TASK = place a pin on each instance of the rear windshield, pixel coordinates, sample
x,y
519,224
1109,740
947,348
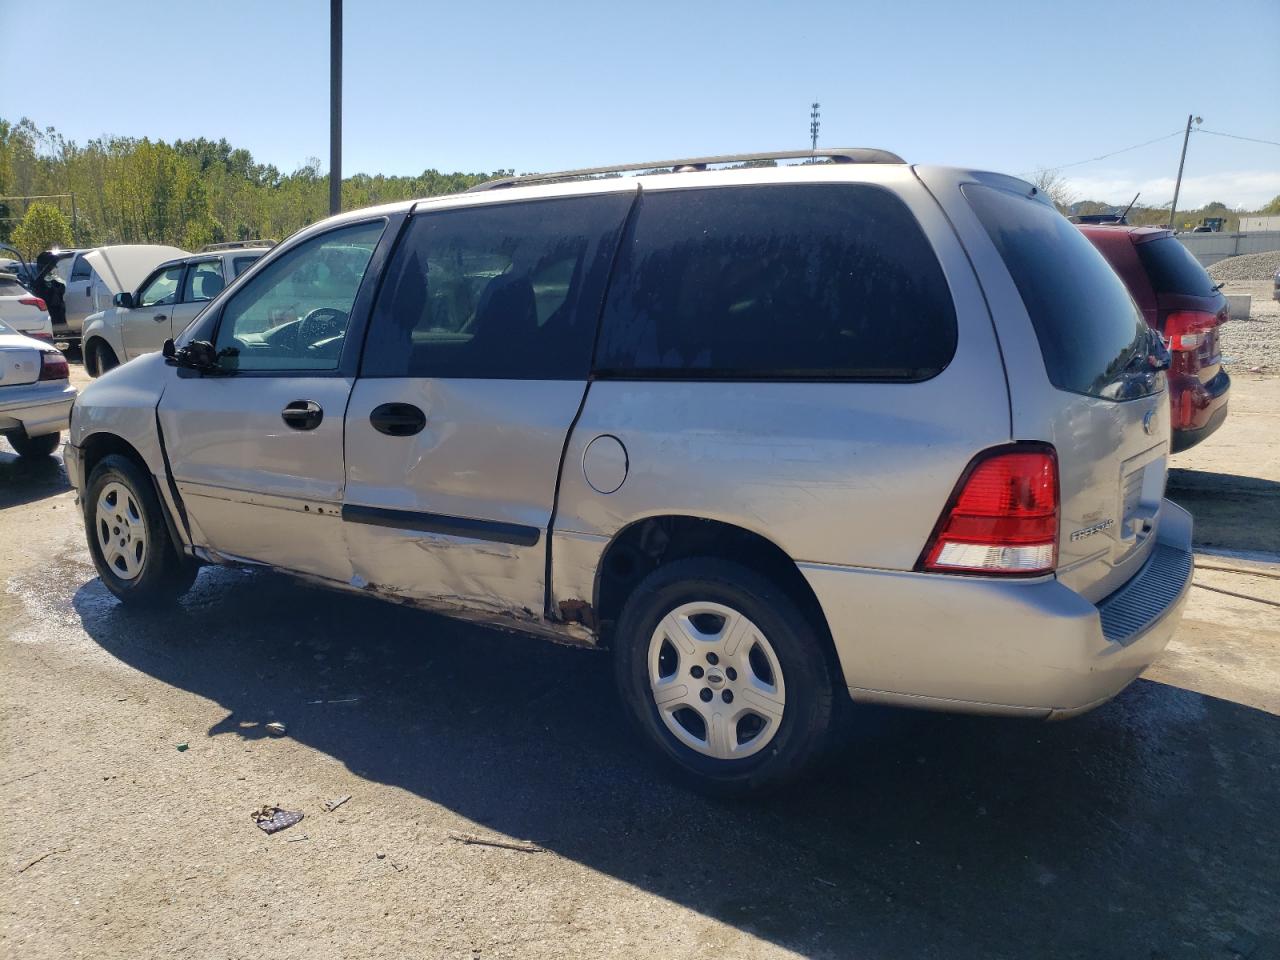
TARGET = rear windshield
x,y
1088,326
11,288
1173,269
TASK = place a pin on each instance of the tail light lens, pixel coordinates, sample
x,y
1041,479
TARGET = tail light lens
x,y
41,335
53,366
1185,330
1002,517
36,302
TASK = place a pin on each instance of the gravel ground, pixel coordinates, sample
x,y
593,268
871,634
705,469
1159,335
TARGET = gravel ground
x,y
1249,266
1253,345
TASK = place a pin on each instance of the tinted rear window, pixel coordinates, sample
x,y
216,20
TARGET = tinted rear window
x,y
1173,269
1087,324
11,288
793,281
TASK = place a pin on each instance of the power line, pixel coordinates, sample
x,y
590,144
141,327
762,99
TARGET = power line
x,y
1145,143
1236,136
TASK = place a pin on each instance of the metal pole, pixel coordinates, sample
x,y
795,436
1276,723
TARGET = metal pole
x,y
335,106
1177,187
75,223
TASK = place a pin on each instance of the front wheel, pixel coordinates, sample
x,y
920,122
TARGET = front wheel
x,y
128,539
104,359
45,445
723,674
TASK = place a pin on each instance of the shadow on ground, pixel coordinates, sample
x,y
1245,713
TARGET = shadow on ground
x,y
1232,512
25,479
1146,829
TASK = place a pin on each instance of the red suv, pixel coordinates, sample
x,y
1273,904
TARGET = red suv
x,y
1180,301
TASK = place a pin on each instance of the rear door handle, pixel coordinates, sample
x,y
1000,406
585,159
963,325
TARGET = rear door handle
x,y
398,419
160,316
302,414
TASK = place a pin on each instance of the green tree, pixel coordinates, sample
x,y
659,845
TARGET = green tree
x,y
43,228
1272,208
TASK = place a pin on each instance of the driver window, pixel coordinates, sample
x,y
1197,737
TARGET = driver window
x,y
293,315
162,289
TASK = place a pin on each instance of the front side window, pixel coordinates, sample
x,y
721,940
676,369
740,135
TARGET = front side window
x,y
794,281
294,314
161,289
204,281
81,270
498,291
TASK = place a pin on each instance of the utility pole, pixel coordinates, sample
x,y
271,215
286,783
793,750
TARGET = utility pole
x,y
1177,186
335,106
814,123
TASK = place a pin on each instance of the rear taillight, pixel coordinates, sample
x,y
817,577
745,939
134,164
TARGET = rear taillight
x,y
1002,518
34,302
1186,329
41,335
53,366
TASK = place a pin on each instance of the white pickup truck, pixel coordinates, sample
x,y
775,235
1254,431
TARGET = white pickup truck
x,y
94,276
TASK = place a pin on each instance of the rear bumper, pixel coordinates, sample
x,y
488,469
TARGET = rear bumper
x,y
39,408
1031,648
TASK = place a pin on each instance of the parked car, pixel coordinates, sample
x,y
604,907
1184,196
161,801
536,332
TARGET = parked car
x,y
35,393
93,277
161,306
22,310
774,437
1179,299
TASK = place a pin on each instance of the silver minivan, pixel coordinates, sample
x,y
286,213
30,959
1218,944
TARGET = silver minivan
x,y
773,435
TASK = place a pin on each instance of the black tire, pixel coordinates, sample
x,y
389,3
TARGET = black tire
x,y
103,359
45,445
809,692
164,573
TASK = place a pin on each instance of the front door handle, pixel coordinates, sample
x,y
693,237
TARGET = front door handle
x,y
160,317
398,419
302,414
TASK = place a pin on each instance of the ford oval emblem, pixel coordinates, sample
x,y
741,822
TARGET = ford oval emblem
x,y
1147,421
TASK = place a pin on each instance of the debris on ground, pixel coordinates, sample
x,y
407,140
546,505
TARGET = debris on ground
x,y
276,728
271,819
296,839
43,856
332,805
380,855
183,747
343,700
523,846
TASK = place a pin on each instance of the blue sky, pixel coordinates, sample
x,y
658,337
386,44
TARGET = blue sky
x,y
1010,86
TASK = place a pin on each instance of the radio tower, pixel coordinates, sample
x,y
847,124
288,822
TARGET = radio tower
x,y
815,122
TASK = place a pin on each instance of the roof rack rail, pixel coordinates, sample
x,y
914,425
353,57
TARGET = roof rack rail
x,y
236,244
834,154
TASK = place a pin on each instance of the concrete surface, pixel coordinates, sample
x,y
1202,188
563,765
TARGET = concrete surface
x,y
1148,829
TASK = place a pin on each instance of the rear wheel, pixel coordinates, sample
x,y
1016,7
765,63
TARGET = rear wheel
x,y
724,675
128,539
44,445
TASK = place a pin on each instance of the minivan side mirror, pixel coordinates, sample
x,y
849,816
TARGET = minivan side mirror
x,y
123,300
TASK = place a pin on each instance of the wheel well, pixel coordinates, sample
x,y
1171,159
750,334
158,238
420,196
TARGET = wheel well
x,y
648,544
101,445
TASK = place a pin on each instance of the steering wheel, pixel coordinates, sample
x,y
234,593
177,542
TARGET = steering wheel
x,y
320,324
